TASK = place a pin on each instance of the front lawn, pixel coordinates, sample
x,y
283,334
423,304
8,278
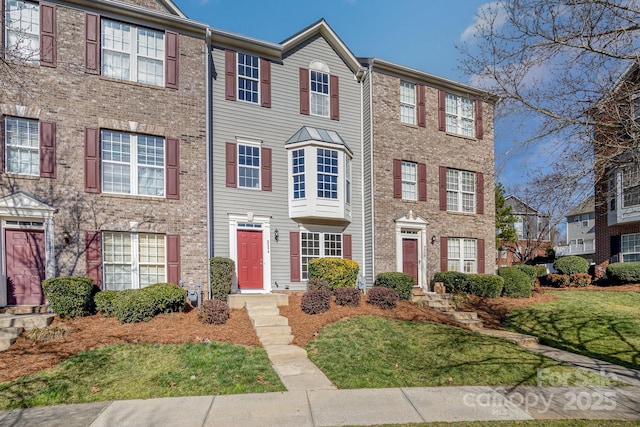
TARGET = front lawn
x,y
142,371
374,352
603,325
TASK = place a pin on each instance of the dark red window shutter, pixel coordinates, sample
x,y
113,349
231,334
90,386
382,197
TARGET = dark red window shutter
x,y
347,246
397,179
334,97
304,91
230,75
480,243
92,160
173,258
422,111
422,182
479,193
479,126
172,55
47,150
442,187
92,43
294,255
93,256
172,171
47,34
442,116
444,254
265,82
266,170
231,165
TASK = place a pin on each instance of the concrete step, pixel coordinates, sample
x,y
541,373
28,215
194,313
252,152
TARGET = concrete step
x,y
471,324
464,315
285,352
269,320
240,300
26,321
271,340
443,306
520,339
262,310
11,332
264,331
26,309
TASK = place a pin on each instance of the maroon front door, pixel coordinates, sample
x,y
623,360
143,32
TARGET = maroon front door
x,y
410,258
25,266
249,259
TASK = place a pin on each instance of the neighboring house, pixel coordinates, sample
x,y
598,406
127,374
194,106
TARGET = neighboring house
x,y
581,231
533,233
103,138
428,174
287,155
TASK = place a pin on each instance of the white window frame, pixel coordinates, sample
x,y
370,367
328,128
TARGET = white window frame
x,y
319,92
244,167
409,172
132,260
329,245
461,197
407,103
460,113
630,181
462,252
132,55
630,247
134,163
347,180
298,174
14,144
243,77
22,22
333,173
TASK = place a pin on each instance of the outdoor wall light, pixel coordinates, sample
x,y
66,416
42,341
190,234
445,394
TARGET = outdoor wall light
x,y
276,235
433,239
66,237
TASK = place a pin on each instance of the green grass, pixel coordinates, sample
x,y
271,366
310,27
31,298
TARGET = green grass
x,y
141,371
526,423
603,325
374,352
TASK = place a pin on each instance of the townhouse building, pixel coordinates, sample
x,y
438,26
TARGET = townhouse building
x,y
103,133
581,231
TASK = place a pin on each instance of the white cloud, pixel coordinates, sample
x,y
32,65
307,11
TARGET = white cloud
x,y
488,14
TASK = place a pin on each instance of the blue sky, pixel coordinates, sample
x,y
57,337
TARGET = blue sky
x,y
421,34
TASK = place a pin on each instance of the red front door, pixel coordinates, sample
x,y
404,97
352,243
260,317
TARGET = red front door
x,y
250,259
25,266
410,258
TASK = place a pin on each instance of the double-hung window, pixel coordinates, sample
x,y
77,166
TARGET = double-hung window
x,y
318,245
408,103
132,164
327,173
22,36
461,191
459,115
630,247
347,180
298,174
409,181
22,146
630,186
248,77
132,260
248,166
319,93
132,53
462,255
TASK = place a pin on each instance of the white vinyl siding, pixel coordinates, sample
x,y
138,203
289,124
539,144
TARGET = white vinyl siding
x,y
22,146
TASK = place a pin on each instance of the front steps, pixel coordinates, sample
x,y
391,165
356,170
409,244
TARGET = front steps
x,y
12,325
442,303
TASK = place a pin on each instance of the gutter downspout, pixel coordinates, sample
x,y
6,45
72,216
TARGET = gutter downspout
x,y
363,225
209,154
371,151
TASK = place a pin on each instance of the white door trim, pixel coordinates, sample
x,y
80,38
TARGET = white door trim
x,y
249,221
410,226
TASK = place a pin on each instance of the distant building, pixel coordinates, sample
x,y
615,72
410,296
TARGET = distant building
x,y
581,231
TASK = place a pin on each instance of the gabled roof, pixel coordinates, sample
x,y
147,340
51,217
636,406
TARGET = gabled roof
x,y
172,7
587,206
322,28
519,207
308,133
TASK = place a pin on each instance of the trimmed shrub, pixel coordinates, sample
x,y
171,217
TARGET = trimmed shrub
x,y
167,298
517,283
213,312
541,271
140,305
134,305
579,280
400,282
558,280
338,272
315,302
317,284
484,285
347,296
571,265
529,270
69,296
453,281
384,298
624,272
105,302
221,271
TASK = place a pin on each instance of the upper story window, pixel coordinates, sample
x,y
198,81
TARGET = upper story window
x,y
347,180
519,227
327,161
22,35
132,164
461,191
319,91
459,115
132,53
408,103
297,174
248,77
631,186
462,255
22,146
248,166
409,181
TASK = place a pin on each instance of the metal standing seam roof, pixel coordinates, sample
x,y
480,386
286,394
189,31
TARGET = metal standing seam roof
x,y
308,133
